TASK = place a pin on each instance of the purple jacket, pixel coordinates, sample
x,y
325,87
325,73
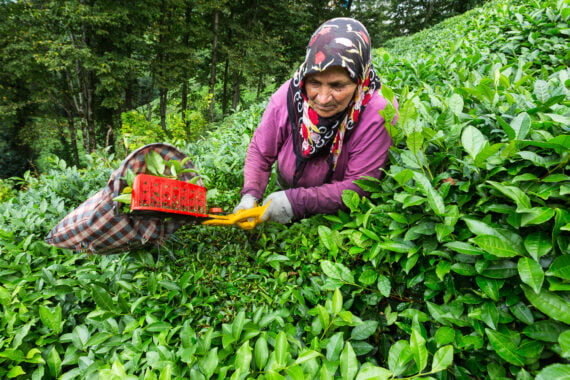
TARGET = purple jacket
x,y
364,154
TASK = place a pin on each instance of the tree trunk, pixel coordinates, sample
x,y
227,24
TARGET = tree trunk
x,y
110,138
163,102
259,86
86,88
236,91
149,101
225,91
89,111
213,64
184,103
73,137
184,94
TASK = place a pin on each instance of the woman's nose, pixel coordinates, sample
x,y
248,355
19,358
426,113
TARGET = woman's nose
x,y
324,94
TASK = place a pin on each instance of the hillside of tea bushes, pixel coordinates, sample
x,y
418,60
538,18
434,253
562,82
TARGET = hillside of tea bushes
x,y
456,266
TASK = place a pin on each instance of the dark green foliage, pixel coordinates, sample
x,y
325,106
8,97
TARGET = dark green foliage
x,y
387,19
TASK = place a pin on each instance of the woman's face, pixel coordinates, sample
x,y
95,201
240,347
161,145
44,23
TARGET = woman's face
x,y
330,91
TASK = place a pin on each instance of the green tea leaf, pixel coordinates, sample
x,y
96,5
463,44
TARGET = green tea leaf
x,y
522,313
165,373
209,363
444,335
442,268
281,349
403,247
384,286
244,357
490,286
418,348
415,141
51,318
537,244
501,269
549,303
455,104
351,199
14,355
399,356
348,363
98,338
536,215
102,298
531,273
490,315
505,347
295,372
307,355
434,198
124,198
404,176
473,141
463,247
521,126
261,352
372,372
334,346
554,371
155,164
364,330
535,158
564,341
562,140
442,359
368,277
530,350
495,246
130,177
237,325
560,267
479,227
545,330
514,193
541,91
325,236
323,315
34,356
337,271
54,362
15,372
337,301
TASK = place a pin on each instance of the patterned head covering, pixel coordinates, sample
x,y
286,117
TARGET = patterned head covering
x,y
340,42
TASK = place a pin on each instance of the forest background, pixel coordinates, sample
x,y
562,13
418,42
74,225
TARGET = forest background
x,y
82,74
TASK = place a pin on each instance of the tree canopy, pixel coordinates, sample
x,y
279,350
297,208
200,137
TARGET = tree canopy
x,y
71,68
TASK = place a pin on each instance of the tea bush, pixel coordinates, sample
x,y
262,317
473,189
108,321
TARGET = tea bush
x,y
455,266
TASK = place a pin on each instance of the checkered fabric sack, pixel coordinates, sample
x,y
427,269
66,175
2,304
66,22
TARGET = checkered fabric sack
x,y
97,226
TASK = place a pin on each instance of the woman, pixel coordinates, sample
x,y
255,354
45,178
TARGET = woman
x,y
322,127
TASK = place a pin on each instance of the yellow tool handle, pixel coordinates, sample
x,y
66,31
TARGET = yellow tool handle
x,y
246,219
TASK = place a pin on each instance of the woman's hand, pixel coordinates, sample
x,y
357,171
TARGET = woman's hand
x,y
246,202
279,210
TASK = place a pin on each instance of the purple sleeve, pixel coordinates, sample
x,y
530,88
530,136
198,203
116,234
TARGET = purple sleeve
x,y
265,144
365,154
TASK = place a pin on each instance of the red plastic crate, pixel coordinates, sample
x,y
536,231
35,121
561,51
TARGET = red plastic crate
x,y
165,195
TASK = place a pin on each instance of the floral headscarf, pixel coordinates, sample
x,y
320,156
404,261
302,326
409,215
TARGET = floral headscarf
x,y
340,42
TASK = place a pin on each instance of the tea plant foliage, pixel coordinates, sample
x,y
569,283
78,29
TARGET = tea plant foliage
x,y
455,265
